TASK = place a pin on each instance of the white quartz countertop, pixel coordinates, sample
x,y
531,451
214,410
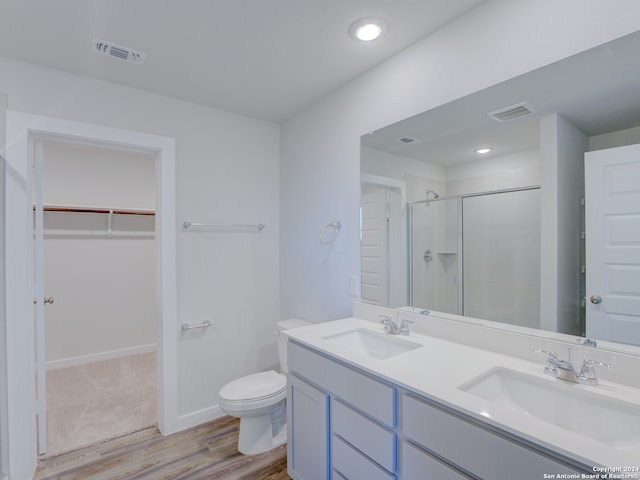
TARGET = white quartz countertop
x,y
439,367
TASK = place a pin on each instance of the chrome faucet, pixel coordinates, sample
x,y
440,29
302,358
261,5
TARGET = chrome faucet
x,y
564,369
393,328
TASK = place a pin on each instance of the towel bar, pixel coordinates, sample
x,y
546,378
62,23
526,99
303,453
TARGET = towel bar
x,y
186,326
231,226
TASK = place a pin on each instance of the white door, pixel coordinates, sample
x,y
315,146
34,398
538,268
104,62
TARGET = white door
x,y
39,297
612,195
375,245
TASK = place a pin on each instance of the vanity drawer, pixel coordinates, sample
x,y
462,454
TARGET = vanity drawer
x,y
472,448
353,465
367,436
418,465
372,397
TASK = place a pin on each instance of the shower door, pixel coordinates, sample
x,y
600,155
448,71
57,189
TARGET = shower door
x,y
501,257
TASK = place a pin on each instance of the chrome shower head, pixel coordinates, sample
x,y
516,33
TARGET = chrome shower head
x,y
435,194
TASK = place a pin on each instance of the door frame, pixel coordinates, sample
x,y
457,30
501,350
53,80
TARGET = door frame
x,y
22,130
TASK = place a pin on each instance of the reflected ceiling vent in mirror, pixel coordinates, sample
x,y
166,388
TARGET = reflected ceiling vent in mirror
x,y
512,112
118,51
407,140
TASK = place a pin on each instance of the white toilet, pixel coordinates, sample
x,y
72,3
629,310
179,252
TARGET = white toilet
x,y
259,400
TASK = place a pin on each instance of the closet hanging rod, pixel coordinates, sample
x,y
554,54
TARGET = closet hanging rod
x,y
259,226
113,211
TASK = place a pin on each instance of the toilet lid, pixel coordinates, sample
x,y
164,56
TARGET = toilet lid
x,y
254,387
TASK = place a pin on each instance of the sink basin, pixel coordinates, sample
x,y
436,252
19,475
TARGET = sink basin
x,y
600,418
373,344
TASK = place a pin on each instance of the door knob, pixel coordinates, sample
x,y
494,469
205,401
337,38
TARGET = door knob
x,y
595,299
48,300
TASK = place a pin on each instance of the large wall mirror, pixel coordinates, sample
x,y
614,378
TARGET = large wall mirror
x,y
542,228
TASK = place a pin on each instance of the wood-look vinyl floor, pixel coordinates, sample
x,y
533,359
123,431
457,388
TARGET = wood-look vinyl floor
x,y
207,451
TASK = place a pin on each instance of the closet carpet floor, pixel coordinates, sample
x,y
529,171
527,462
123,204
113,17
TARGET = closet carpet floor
x,y
96,401
206,451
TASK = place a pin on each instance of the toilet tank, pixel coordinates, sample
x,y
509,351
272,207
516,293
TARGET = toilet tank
x,y
282,339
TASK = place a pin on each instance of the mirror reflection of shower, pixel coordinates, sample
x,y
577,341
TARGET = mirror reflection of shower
x,y
483,254
433,260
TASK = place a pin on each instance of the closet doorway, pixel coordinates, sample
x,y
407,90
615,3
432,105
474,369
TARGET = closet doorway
x,y
25,131
98,253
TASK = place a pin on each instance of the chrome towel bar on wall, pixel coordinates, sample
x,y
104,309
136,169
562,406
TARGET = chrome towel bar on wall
x,y
186,326
228,226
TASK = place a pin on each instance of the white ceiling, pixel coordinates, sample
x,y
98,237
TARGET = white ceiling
x,y
267,59
597,90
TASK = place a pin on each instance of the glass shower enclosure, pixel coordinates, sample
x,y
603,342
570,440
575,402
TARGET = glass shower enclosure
x,y
477,255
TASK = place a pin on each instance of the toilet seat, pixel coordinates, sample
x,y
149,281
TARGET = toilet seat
x,y
256,387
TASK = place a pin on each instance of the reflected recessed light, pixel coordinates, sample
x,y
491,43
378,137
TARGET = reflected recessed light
x,y
367,29
483,151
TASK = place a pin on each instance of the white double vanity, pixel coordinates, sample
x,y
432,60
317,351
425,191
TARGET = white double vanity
x,y
366,404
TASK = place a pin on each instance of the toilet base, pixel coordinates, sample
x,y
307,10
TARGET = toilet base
x,y
257,436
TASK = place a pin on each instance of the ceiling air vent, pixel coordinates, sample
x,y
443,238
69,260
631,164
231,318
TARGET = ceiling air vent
x,y
118,51
512,112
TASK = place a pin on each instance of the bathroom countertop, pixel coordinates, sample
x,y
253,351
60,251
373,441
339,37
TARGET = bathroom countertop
x,y
438,368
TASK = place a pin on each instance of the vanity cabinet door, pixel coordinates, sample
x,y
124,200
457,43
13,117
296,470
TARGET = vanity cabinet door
x,y
307,430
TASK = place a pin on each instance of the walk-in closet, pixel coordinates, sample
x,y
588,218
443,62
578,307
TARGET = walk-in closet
x,y
99,263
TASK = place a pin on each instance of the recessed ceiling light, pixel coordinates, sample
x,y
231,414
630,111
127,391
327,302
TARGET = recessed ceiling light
x,y
367,29
483,151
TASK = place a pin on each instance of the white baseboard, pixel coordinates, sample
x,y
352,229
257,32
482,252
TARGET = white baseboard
x,y
201,416
97,357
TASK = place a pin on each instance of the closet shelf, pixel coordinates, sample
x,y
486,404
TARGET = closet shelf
x,y
103,210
